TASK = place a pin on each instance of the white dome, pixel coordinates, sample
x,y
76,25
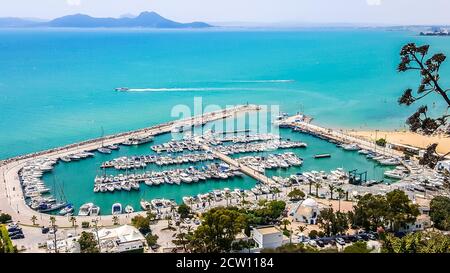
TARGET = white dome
x,y
309,203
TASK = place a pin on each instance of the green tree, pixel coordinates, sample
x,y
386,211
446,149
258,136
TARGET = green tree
x,y
88,243
317,186
332,223
331,187
73,220
141,223
381,142
152,239
4,218
370,212
340,193
440,212
296,194
115,220
414,58
285,222
184,211
218,230
400,210
181,239
313,234
33,219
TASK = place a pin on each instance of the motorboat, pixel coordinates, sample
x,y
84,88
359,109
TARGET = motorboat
x,y
122,89
116,209
129,209
68,209
104,150
145,205
95,210
85,210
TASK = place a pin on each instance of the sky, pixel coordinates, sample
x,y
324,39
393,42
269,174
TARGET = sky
x,y
382,12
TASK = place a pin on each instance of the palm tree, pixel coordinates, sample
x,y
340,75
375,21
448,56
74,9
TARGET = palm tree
x,y
33,219
53,222
310,186
285,222
73,220
181,239
340,192
331,187
301,229
317,185
115,220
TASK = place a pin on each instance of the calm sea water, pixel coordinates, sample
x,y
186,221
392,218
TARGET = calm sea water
x,y
57,87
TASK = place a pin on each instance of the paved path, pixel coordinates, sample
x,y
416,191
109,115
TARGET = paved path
x,y
245,169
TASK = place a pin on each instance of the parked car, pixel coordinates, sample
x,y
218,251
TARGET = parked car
x,y
320,243
340,241
17,236
364,236
371,236
45,230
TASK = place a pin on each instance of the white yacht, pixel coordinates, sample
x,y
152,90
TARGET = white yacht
x,y
85,210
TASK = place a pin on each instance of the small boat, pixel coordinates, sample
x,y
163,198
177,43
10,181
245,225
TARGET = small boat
x,y
65,159
129,209
104,150
85,209
351,147
116,209
113,147
145,205
95,210
122,89
318,156
46,207
68,209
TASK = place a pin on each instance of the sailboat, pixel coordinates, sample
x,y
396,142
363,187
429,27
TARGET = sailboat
x,y
103,149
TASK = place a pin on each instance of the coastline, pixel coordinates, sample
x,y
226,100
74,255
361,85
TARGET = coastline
x,y
406,138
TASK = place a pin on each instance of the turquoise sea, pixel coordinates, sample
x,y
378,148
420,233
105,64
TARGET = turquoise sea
x,y
57,87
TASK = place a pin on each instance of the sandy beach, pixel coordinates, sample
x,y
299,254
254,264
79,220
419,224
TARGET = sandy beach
x,y
407,138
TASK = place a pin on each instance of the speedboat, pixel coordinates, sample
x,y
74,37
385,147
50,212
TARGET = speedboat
x,y
145,205
122,89
116,209
104,150
68,209
95,210
85,209
113,147
129,209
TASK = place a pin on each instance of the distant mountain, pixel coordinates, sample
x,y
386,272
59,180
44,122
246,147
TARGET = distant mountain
x,y
144,20
16,22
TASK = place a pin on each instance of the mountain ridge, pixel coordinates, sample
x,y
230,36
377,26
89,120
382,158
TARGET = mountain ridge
x,y
145,19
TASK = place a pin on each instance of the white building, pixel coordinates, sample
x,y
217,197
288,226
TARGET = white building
x,y
422,222
268,237
307,212
121,239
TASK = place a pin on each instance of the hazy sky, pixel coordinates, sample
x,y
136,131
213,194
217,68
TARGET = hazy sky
x,y
268,11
